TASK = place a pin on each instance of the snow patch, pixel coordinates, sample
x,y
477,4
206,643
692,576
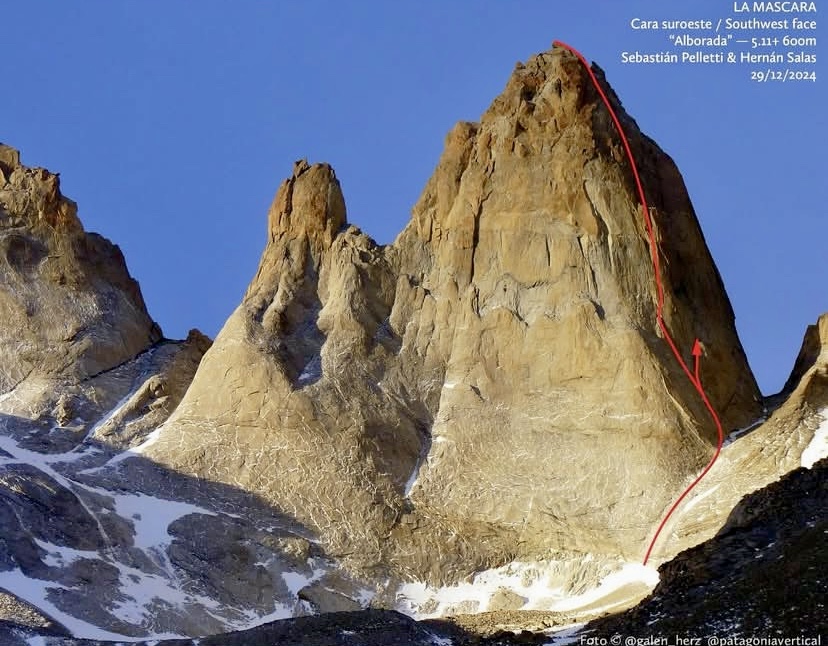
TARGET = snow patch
x,y
25,456
818,447
111,414
312,372
629,574
142,592
412,479
43,464
365,596
697,499
151,439
735,435
152,516
35,591
295,581
563,635
541,584
5,396
60,556
283,611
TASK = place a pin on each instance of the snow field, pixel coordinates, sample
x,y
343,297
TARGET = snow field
x,y
540,584
818,447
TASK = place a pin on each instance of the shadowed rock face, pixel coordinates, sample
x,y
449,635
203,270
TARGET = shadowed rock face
x,y
493,384
67,302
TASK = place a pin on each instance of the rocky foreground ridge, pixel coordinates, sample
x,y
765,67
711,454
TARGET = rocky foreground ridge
x,y
489,396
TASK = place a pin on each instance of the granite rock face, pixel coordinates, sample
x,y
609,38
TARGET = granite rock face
x,y
493,384
68,304
97,539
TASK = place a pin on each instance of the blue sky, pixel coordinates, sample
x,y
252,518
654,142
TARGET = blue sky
x,y
172,124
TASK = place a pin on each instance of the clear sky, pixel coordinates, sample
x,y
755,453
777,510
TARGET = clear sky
x,y
172,124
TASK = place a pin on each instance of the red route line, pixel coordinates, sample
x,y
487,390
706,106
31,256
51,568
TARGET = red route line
x,y
660,303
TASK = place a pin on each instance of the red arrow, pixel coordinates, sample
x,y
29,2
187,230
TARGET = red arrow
x,y
697,353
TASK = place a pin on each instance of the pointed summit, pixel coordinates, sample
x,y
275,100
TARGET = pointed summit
x,y
308,203
814,346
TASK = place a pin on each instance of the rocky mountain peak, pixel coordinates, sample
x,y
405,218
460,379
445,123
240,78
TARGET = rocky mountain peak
x,y
49,264
548,103
540,193
32,196
814,347
9,158
514,316
310,204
